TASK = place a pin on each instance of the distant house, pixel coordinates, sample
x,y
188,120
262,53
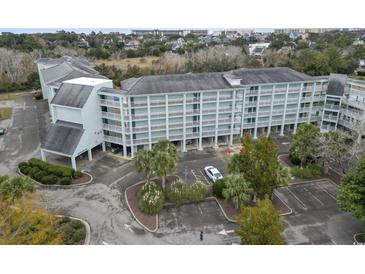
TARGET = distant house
x,y
132,44
178,44
361,66
258,49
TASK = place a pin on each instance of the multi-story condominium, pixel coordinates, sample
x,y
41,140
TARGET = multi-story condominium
x,y
195,111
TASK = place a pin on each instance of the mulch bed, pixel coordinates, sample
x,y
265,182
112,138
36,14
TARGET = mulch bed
x,y
150,221
83,179
279,205
229,208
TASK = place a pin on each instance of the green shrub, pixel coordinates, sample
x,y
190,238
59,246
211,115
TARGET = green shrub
x,y
74,231
25,169
308,172
33,172
150,198
39,175
177,192
218,187
65,181
38,163
294,160
57,170
49,180
22,164
77,174
198,191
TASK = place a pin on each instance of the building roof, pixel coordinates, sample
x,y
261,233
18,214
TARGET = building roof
x,y
267,76
174,83
63,137
336,84
110,90
72,95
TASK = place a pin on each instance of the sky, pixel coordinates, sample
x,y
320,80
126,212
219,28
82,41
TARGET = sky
x,y
86,30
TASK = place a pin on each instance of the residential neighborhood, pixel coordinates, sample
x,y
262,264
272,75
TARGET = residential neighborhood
x,y
176,136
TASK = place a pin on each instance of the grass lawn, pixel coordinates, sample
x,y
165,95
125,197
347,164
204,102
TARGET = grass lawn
x,y
142,62
5,113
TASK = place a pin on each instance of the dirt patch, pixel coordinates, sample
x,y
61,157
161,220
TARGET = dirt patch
x,y
82,180
149,221
142,62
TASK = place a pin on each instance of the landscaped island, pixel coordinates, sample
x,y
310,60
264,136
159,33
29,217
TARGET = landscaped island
x,y
49,174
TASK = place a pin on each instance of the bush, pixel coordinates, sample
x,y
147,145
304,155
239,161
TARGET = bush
x,y
78,174
57,170
22,164
65,181
218,187
39,175
25,169
33,171
74,231
308,172
177,192
150,198
49,180
294,160
198,191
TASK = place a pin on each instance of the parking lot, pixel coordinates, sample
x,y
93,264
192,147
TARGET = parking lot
x,y
316,218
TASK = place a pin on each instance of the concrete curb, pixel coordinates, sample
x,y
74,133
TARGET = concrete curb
x,y
58,186
221,208
85,223
356,242
134,216
291,210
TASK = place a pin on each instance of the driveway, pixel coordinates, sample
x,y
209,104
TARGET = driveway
x,y
316,218
25,130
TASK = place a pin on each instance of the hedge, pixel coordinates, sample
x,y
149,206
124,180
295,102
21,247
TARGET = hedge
x,y
49,174
218,187
308,172
198,191
177,192
150,198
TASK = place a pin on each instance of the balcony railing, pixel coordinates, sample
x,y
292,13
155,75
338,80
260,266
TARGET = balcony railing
x,y
332,106
110,115
112,127
109,103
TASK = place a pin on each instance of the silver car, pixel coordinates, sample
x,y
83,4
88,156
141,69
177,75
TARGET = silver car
x,y
213,173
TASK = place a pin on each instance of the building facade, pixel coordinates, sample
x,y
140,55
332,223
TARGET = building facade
x,y
201,110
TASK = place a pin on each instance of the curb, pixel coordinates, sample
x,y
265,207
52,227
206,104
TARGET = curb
x,y
221,208
85,223
355,241
58,186
134,216
284,214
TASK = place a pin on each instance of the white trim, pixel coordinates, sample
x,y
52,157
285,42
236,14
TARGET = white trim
x,y
311,103
271,109
216,121
130,126
232,118
284,112
243,111
167,115
149,123
123,126
257,113
297,115
200,123
184,123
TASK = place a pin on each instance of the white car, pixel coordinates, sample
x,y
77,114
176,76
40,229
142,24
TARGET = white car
x,y
213,173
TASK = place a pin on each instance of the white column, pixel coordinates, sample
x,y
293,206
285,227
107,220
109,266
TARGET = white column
x,y
257,113
89,155
52,114
43,155
284,113
201,122
184,124
103,147
167,115
216,122
243,110
73,162
232,117
149,123
130,126
123,125
311,103
297,115
271,109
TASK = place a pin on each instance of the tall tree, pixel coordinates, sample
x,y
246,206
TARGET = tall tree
x,y
237,189
304,142
261,225
143,162
164,159
351,197
13,188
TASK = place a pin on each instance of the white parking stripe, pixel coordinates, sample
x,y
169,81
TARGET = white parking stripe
x,y
204,176
296,197
315,197
333,197
192,171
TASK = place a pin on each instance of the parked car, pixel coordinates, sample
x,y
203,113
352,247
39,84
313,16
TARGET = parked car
x,y
213,173
116,149
2,131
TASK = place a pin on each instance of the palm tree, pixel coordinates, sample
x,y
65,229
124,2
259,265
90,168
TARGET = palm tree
x,y
283,175
164,159
237,189
143,162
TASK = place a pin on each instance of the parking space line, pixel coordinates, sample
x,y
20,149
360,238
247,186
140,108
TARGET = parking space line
x,y
327,192
296,197
315,197
196,177
204,176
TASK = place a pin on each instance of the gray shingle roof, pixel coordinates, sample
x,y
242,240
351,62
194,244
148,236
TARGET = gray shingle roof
x,y
56,72
72,95
73,75
63,137
209,81
336,84
267,76
175,83
111,90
